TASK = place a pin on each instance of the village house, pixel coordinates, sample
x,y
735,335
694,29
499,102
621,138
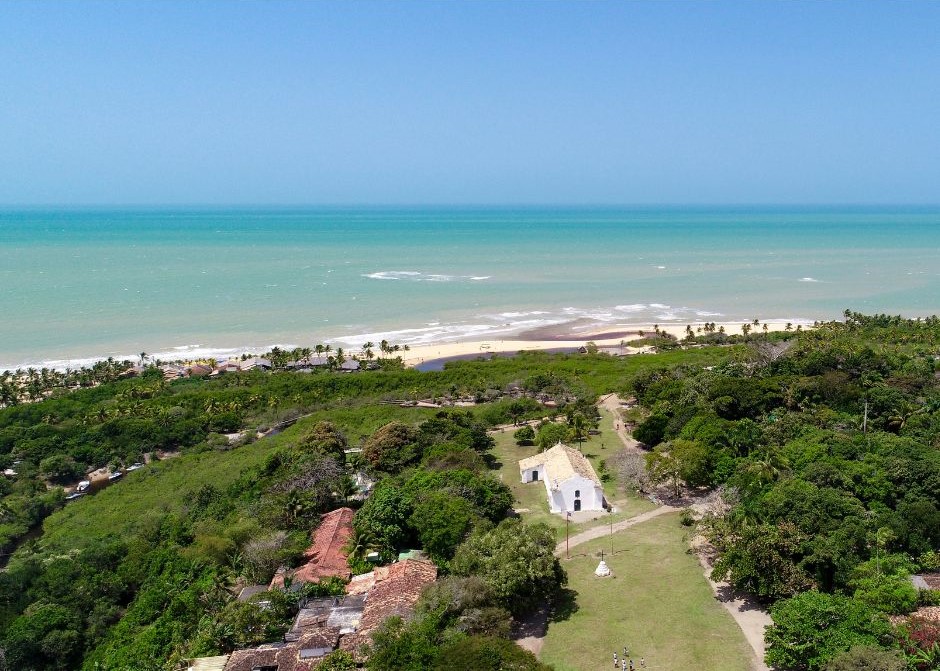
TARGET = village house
x,y
349,366
255,363
199,370
325,556
226,367
570,481
326,624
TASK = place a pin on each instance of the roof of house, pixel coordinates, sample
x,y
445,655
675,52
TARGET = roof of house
x,y
926,581
396,589
561,462
207,663
347,622
250,591
325,556
302,654
334,615
349,364
255,362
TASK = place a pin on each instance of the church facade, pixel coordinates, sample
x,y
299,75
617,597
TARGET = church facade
x,y
569,479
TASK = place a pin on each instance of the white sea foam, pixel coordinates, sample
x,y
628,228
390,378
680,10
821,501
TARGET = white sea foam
x,y
808,279
416,276
484,326
391,274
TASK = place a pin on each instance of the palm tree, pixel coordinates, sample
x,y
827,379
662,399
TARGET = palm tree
x,y
579,428
346,487
360,543
367,350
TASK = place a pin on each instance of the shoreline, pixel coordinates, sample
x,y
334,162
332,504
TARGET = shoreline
x,y
561,336
573,333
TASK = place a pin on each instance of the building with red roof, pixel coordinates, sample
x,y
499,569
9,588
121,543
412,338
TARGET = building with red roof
x,y
325,557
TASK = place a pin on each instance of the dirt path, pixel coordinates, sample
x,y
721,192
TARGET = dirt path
x,y
603,530
750,617
612,404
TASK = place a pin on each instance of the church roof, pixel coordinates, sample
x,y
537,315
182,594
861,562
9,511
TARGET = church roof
x,y
561,462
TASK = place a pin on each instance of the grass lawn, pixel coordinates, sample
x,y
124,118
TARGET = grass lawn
x,y
532,496
657,603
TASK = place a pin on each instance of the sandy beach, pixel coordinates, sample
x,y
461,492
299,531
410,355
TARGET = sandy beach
x,y
571,335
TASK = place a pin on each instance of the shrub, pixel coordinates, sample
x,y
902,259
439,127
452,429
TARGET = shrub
x,y
813,628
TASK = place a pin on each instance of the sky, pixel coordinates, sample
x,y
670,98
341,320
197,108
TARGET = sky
x,y
365,103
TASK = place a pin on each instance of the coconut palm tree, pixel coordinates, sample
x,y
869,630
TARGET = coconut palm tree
x,y
360,543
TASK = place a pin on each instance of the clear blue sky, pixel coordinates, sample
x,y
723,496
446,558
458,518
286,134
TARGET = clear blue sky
x,y
469,102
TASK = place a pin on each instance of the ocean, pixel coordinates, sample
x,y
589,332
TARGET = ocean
x,y
80,284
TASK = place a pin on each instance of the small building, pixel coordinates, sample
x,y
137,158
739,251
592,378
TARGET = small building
x,y
199,370
570,481
226,367
173,372
255,363
349,366
325,556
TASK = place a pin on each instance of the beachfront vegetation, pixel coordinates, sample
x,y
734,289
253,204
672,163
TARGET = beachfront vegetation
x,y
823,443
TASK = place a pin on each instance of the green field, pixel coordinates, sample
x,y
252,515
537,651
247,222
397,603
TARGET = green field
x,y
657,603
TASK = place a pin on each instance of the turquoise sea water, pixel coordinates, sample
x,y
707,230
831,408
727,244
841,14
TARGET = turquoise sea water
x,y
79,284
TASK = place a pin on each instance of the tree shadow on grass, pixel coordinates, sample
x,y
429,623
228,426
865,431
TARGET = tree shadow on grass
x,y
564,606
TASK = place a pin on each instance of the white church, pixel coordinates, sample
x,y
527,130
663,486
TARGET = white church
x,y
570,480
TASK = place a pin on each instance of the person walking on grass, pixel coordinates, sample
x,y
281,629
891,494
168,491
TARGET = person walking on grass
x,y
615,661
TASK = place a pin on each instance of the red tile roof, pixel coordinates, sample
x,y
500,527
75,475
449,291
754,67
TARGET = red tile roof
x,y
325,556
397,588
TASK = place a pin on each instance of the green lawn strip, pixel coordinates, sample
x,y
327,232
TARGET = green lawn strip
x,y
657,603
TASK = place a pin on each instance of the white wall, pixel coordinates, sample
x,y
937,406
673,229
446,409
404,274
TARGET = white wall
x,y
562,499
527,473
591,494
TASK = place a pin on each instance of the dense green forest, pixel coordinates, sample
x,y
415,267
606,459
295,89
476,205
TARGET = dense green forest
x,y
827,448
823,445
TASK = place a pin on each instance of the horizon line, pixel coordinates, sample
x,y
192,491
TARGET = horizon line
x,y
429,204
